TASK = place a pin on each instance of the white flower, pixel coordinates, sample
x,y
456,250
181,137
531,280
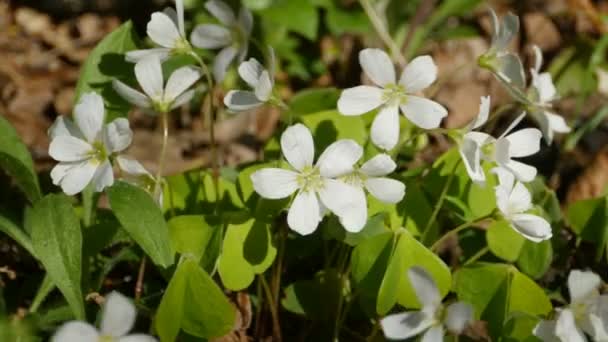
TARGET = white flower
x,y
540,95
587,312
391,96
513,199
149,74
165,29
477,146
118,317
432,318
232,36
136,174
83,149
259,79
370,177
506,66
315,184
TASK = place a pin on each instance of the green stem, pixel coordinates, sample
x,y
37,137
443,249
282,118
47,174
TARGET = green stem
x,y
382,32
454,231
164,121
477,255
276,327
45,288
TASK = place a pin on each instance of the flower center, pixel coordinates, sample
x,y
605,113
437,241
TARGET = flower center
x,y
355,178
99,152
181,46
161,105
106,338
394,94
310,179
579,310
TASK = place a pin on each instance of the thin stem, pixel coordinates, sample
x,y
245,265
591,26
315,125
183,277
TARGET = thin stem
x,y
164,121
276,327
439,203
477,255
279,265
454,231
382,32
374,332
139,285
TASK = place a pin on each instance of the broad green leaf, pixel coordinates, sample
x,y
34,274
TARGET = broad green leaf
x,y
415,254
193,302
314,100
589,220
535,258
247,250
258,206
390,286
317,299
57,242
14,232
143,220
329,126
504,241
415,209
190,234
340,21
16,160
303,17
375,225
481,199
105,63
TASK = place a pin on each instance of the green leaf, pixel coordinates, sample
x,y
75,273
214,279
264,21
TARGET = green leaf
x,y
389,288
329,126
589,220
105,63
317,299
14,232
247,250
504,241
190,234
416,254
57,242
16,160
143,220
314,100
303,17
194,303
535,258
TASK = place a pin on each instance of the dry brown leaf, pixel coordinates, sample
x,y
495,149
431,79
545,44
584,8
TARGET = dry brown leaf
x,y
592,182
541,31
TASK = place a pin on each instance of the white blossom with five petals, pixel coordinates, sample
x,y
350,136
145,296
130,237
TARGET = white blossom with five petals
x,y
513,200
84,147
118,318
433,318
232,36
390,96
587,312
315,184
259,79
161,98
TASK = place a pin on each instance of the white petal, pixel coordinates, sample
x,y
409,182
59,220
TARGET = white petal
x,y
297,146
64,126
172,14
210,36
582,284
352,213
67,148
304,214
137,337
545,330
250,71
482,116
222,61
103,177
434,334
532,227
543,83
221,11
425,288
118,315
245,20
385,189
263,90
511,71
423,113
538,59
273,183
339,158
76,331
78,177
240,100
359,100
557,123
520,199
566,329
380,165
420,73
118,135
137,55
506,179
180,80
149,75
470,152
184,98
524,142
162,30
405,325
513,124
131,166
60,170
131,95
89,115
179,6
385,127
507,30
378,66
459,315
523,173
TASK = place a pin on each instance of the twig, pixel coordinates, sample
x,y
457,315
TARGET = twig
x,y
382,32
139,285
